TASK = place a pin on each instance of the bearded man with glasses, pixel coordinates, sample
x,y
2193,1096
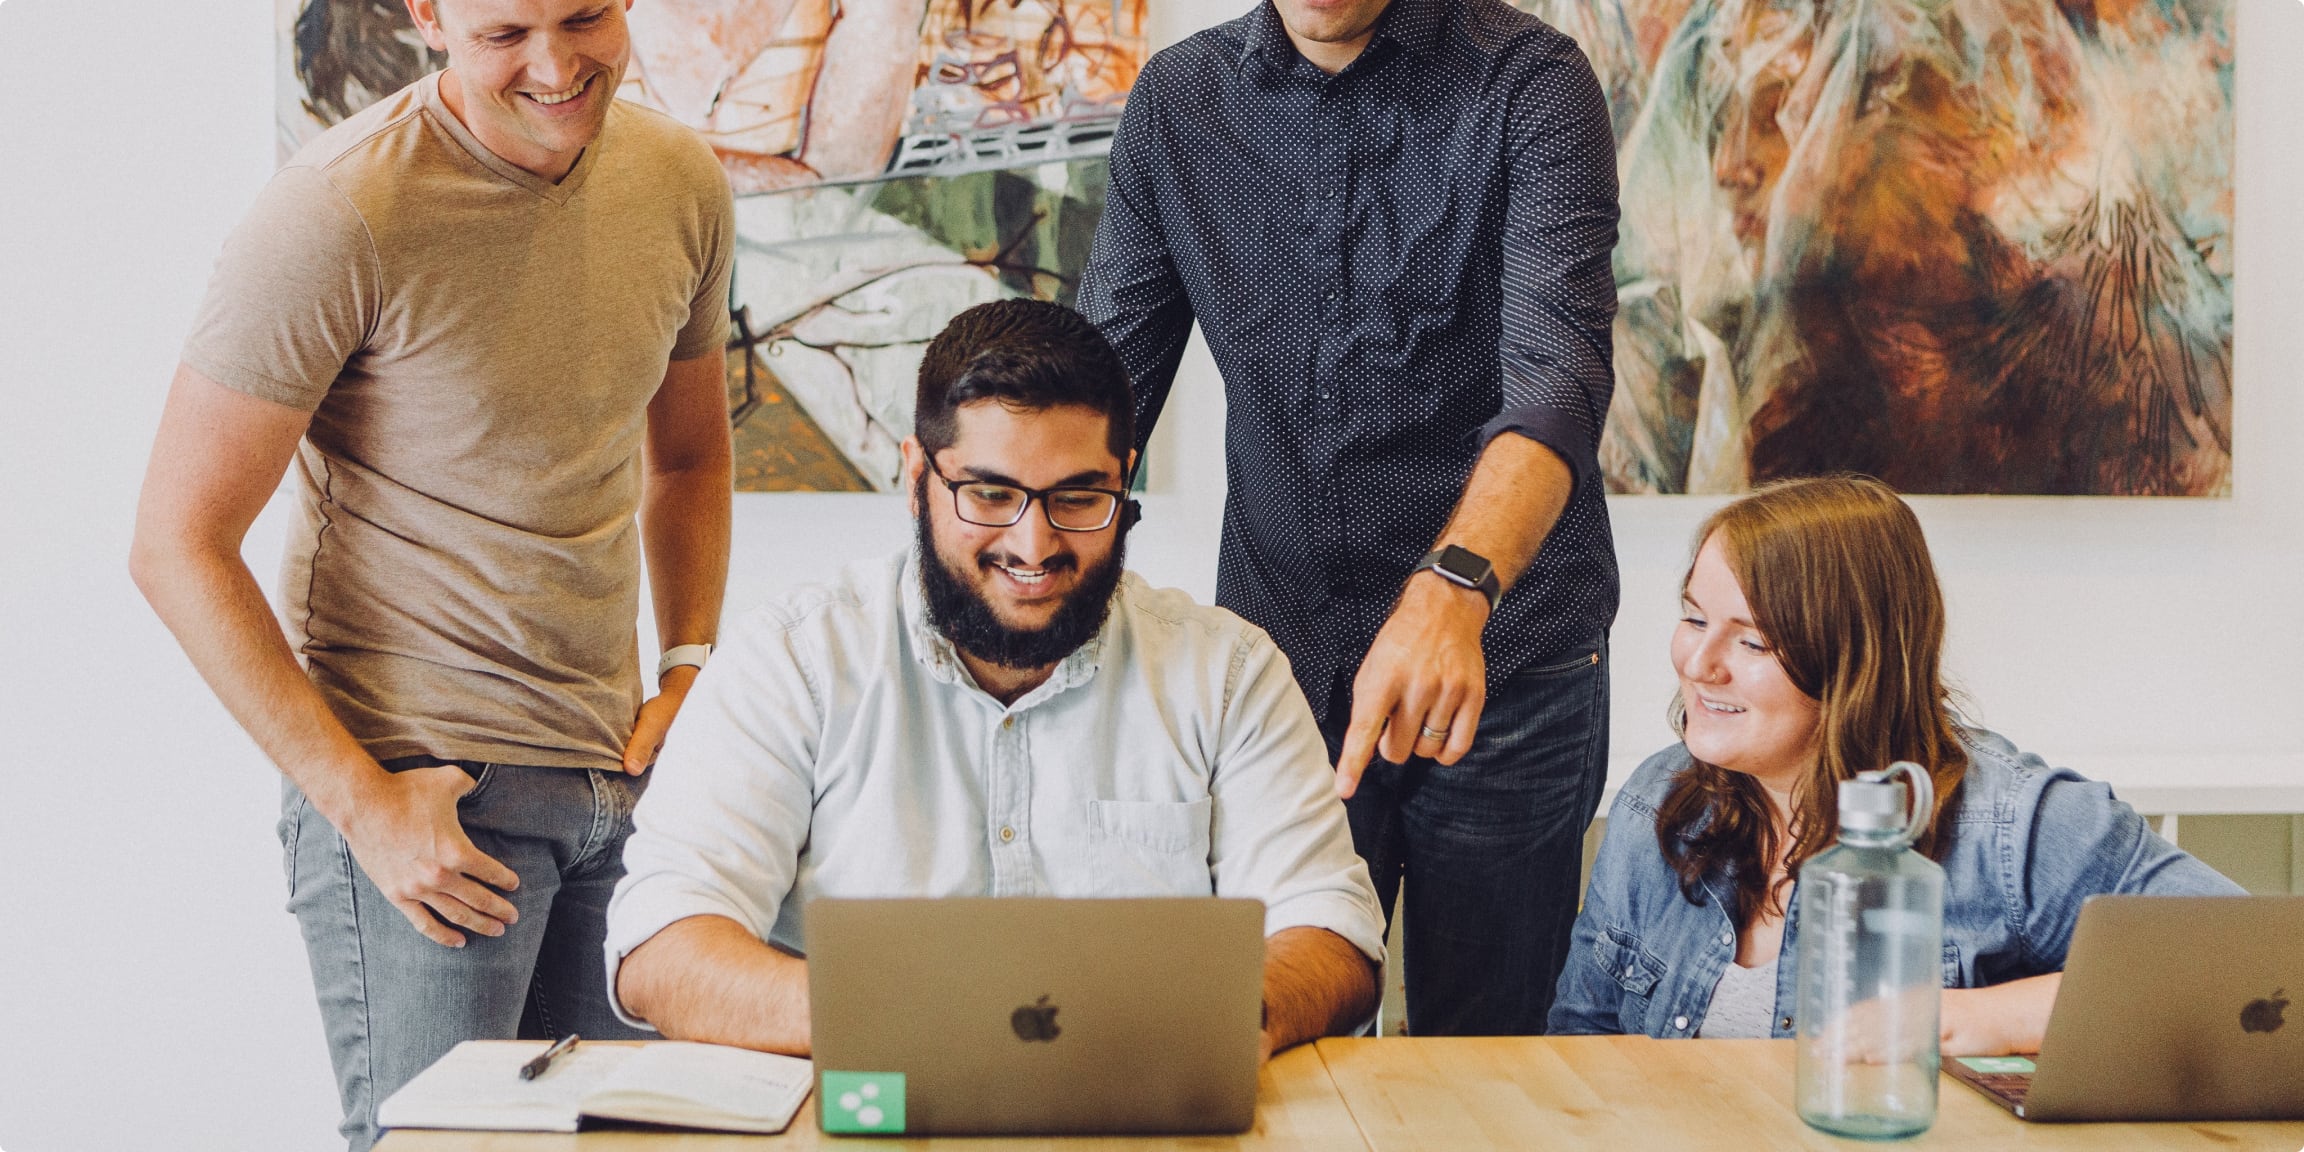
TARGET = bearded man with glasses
x,y
1001,710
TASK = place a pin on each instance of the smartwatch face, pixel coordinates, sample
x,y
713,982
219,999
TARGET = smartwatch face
x,y
1467,566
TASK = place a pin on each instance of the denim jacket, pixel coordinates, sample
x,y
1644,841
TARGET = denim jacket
x,y
2029,843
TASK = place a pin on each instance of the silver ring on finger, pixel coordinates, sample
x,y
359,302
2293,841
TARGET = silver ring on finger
x,y
1430,734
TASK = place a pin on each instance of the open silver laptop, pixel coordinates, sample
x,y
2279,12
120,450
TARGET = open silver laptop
x,y
2172,1008
1033,1016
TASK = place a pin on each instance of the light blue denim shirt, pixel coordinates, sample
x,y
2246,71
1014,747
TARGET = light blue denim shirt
x,y
2029,843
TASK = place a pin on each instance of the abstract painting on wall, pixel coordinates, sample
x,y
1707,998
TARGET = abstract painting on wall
x,y
1979,246
1967,246
895,162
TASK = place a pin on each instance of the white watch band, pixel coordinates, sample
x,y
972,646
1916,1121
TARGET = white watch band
x,y
683,656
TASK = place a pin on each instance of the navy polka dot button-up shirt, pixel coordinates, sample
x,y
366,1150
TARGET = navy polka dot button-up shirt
x,y
1391,265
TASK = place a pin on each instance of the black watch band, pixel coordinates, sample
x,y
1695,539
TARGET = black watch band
x,y
1463,566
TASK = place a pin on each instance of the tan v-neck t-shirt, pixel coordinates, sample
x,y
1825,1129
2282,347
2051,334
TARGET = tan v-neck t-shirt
x,y
477,347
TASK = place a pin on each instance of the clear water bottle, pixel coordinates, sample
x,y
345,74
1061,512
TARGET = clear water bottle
x,y
1871,965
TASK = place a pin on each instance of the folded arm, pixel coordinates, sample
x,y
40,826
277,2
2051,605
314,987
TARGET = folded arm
x,y
2082,842
713,853
707,978
2000,1020
1315,984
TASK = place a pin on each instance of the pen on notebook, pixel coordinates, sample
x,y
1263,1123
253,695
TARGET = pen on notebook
x,y
543,1060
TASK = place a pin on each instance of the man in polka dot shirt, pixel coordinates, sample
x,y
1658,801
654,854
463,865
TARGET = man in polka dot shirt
x,y
1392,220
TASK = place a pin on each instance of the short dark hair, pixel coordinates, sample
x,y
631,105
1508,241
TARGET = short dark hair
x,y
1026,354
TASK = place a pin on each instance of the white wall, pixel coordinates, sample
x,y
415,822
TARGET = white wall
x,y
152,992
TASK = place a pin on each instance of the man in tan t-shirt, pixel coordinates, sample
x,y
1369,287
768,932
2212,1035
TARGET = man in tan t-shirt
x,y
485,321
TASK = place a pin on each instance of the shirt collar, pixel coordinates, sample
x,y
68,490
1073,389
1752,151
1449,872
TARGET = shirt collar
x,y
1267,36
1413,25
437,106
936,652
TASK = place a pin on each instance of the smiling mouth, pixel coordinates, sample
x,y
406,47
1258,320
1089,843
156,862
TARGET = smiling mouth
x,y
550,99
1719,709
1028,577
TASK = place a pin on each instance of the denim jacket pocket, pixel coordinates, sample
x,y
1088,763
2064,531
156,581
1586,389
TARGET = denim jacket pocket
x,y
1636,971
1150,847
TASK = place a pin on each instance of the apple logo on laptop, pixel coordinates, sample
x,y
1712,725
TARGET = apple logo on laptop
x,y
1036,1023
2264,1015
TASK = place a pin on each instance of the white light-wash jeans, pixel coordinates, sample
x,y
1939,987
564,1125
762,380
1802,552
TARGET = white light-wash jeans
x,y
392,1001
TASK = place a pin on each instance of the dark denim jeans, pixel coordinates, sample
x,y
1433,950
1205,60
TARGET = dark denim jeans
x,y
1491,848
392,1001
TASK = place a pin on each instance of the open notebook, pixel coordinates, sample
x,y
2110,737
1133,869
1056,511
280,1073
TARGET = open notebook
x,y
477,1085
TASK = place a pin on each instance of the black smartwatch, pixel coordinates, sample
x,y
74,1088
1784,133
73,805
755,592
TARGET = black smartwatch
x,y
1466,567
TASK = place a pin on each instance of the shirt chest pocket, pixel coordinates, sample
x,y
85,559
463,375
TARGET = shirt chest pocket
x,y
1636,971
1149,847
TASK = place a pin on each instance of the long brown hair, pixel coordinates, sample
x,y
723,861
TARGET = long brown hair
x,y
1837,573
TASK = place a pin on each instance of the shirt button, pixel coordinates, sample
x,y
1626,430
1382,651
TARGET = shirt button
x,y
1007,834
1785,1023
1009,722
1727,937
1330,296
1680,1022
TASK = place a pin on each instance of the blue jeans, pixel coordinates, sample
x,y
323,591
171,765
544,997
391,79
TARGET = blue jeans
x,y
392,1001
1491,848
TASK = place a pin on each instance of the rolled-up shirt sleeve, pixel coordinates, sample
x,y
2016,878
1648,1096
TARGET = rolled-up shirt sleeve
x,y
720,829
1278,832
1559,290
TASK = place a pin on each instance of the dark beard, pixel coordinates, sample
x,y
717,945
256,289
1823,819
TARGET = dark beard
x,y
958,611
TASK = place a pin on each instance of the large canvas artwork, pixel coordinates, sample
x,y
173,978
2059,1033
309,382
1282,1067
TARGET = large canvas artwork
x,y
895,162
1967,246
1961,245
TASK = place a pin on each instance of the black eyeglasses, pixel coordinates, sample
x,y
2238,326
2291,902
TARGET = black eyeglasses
x,y
1069,508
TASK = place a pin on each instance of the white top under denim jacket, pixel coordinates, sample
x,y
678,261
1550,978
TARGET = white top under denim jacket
x,y
837,746
2029,843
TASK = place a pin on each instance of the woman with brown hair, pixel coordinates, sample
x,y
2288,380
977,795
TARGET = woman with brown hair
x,y
1808,650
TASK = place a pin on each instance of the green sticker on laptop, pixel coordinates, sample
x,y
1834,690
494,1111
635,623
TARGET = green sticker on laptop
x,y
1997,1063
861,1102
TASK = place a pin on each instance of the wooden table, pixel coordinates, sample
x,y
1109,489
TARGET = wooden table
x,y
1609,1093
1631,1093
1297,1110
